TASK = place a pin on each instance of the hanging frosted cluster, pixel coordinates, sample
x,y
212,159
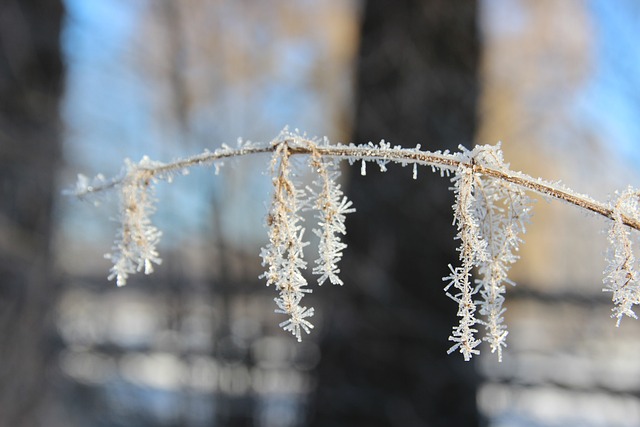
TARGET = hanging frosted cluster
x,y
331,206
490,212
283,255
621,274
472,251
490,215
135,244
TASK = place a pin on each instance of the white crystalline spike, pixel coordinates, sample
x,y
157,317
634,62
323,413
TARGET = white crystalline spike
x,y
622,278
500,211
472,251
135,246
332,206
283,255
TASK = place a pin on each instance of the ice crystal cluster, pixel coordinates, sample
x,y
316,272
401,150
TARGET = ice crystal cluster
x,y
283,256
621,275
490,215
137,238
490,212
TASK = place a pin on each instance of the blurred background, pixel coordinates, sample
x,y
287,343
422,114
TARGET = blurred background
x,y
85,84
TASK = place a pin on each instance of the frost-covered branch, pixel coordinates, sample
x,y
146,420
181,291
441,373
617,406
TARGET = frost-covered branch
x,y
490,213
446,162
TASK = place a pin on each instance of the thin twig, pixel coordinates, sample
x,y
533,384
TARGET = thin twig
x,y
445,161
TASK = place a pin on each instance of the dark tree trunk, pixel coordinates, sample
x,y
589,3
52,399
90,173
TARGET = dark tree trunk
x,y
30,87
384,346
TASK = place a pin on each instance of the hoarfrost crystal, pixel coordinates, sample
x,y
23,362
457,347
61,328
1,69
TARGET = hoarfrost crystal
x,y
283,255
621,275
135,245
332,206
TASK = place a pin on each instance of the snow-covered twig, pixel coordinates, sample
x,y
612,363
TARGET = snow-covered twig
x,y
490,212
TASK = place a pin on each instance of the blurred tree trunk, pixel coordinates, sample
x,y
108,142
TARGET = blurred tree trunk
x,y
384,358
31,75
